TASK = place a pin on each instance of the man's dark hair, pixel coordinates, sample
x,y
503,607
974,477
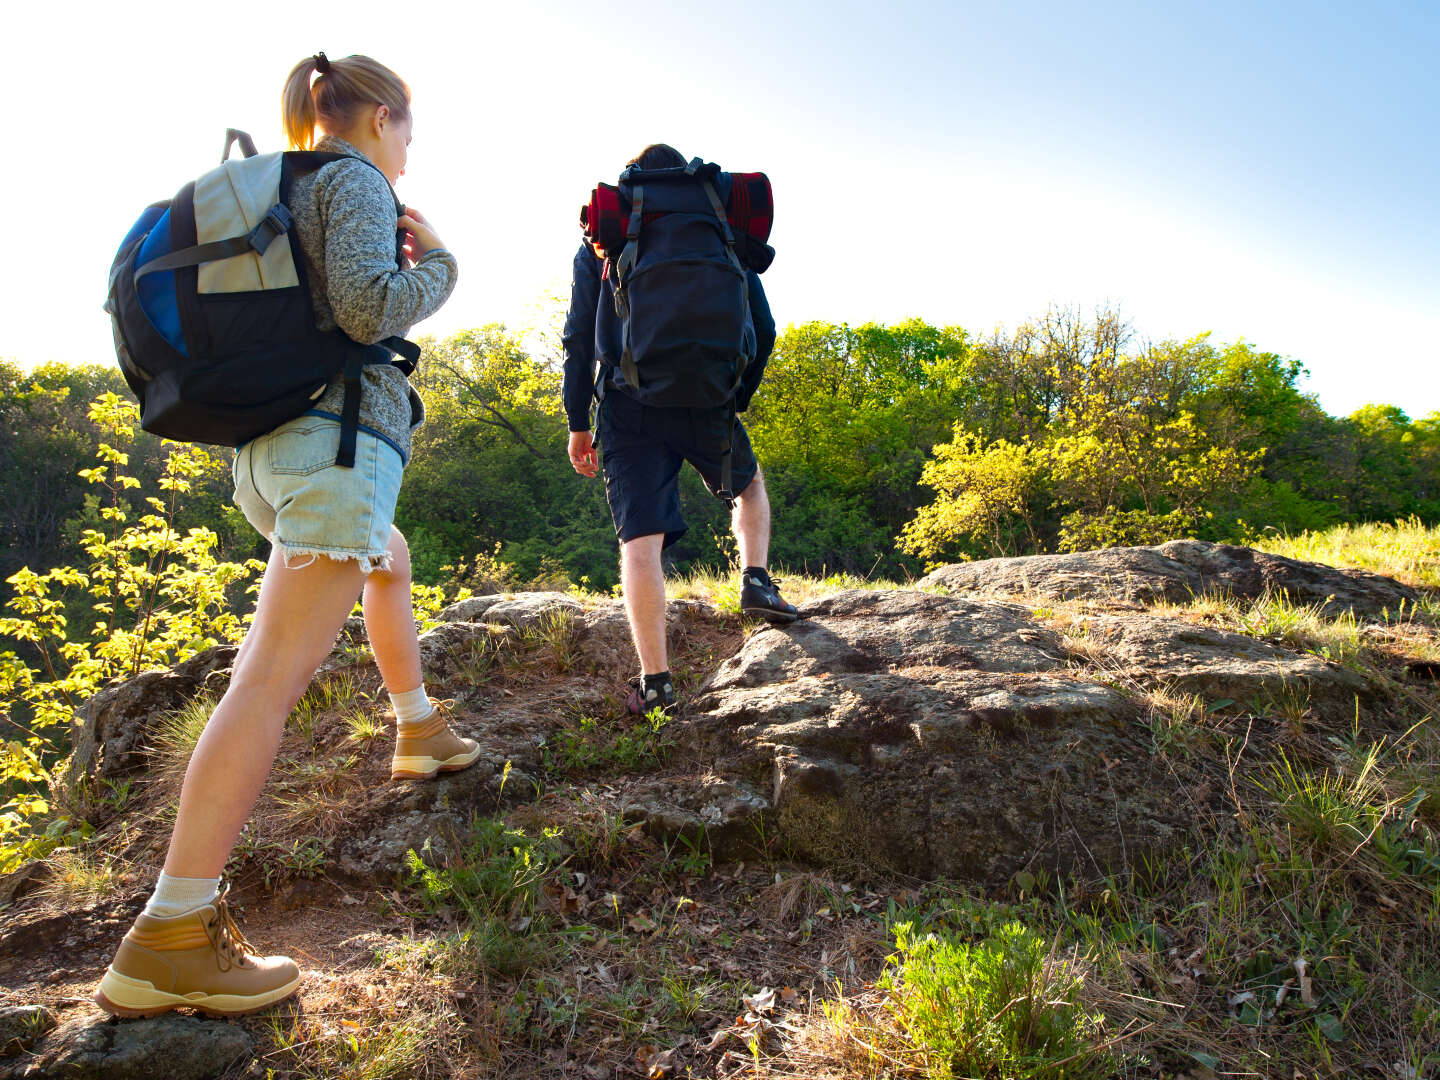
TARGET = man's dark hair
x,y
658,156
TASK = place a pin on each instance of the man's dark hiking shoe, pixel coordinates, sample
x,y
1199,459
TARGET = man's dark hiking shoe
x,y
759,595
650,692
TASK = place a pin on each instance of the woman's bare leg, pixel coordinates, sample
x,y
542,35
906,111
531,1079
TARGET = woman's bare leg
x,y
390,620
296,620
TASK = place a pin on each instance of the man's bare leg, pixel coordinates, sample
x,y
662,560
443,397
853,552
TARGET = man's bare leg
x,y
750,521
643,581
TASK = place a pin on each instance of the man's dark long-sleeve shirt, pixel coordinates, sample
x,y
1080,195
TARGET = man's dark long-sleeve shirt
x,y
587,292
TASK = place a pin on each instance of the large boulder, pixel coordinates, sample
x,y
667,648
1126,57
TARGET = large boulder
x,y
930,735
1177,572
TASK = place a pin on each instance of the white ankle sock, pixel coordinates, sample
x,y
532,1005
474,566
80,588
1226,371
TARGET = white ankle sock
x,y
177,895
412,705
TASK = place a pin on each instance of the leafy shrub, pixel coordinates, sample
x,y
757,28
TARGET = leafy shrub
x,y
153,595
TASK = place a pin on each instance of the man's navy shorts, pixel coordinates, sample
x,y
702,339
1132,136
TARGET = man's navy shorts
x,y
642,449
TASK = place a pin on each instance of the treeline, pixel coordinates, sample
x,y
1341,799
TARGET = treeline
x,y
884,448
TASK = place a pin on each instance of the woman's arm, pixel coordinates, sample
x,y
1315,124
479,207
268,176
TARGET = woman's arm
x,y
372,298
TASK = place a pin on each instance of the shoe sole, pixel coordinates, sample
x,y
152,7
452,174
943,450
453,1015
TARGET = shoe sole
x,y
770,615
425,768
121,995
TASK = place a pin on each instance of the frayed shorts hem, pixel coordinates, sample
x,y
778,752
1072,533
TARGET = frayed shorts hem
x,y
369,561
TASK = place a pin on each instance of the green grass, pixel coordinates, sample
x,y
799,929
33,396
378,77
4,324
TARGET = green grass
x,y
76,877
371,1048
1406,550
593,745
338,692
722,588
175,737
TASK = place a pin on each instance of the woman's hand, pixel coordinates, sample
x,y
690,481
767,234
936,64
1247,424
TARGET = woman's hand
x,y
420,238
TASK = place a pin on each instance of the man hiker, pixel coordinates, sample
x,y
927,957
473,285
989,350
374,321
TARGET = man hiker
x,y
645,439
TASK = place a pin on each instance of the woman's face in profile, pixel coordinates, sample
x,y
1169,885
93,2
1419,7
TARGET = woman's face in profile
x,y
393,151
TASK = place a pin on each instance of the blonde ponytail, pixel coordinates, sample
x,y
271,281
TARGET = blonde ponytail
x,y
335,99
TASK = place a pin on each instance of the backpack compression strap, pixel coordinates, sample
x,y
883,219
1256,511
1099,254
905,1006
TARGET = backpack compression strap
x,y
275,224
409,356
742,359
623,267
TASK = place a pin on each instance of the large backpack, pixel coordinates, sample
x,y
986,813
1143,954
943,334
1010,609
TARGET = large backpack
x,y
213,320
677,281
679,284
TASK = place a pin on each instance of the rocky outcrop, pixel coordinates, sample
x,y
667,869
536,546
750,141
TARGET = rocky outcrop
x,y
1189,658
170,1046
932,735
113,728
1177,572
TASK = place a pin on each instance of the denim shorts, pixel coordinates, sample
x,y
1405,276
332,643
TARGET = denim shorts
x,y
291,490
641,451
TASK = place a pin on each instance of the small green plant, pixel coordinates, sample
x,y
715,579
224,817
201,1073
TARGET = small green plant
x,y
594,745
687,855
493,883
1335,813
365,728
336,692
1006,1006
385,1049
478,659
77,877
559,633
305,857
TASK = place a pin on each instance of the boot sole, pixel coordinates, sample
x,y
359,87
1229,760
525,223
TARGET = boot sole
x,y
770,615
425,768
138,998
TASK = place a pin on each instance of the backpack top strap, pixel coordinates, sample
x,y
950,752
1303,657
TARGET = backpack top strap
x,y
247,144
725,230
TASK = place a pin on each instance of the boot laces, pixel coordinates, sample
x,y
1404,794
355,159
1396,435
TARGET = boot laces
x,y
231,947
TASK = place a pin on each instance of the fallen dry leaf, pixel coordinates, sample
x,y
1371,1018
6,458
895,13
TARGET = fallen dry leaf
x,y
656,1064
761,1002
1307,986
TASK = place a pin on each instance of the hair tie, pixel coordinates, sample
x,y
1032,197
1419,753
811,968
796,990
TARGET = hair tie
x,y
322,63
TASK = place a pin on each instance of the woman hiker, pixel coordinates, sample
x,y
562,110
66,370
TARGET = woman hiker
x,y
332,539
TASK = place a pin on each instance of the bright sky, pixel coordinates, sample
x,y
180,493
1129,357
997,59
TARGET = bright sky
x,y
1262,171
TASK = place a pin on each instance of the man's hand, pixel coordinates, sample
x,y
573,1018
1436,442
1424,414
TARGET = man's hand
x,y
582,453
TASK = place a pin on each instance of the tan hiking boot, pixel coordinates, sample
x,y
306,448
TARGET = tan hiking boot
x,y
198,960
428,746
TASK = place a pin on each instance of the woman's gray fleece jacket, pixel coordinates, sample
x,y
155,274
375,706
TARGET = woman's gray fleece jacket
x,y
345,219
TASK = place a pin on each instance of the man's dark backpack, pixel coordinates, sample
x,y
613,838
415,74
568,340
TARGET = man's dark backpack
x,y
679,283
213,320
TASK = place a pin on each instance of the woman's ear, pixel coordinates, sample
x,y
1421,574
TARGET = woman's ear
x,y
381,118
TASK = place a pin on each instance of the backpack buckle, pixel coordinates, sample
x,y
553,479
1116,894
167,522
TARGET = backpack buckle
x,y
275,224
